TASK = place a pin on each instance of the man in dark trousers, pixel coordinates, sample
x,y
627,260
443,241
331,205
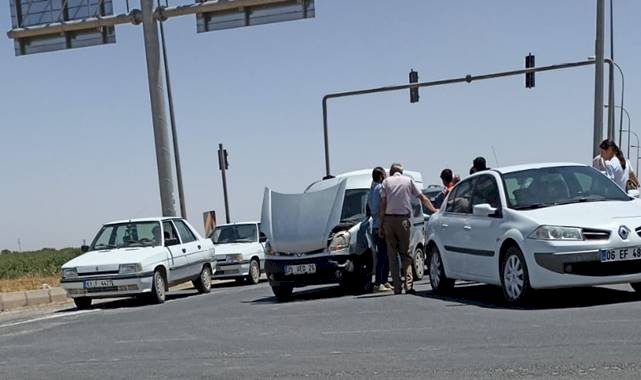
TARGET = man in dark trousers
x,y
397,192
374,205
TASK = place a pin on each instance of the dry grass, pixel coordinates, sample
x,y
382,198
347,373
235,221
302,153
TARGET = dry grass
x,y
28,283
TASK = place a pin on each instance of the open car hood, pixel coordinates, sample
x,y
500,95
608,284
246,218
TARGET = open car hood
x,y
297,223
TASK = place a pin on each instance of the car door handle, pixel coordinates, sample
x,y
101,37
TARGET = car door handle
x,y
467,228
444,225
184,250
199,247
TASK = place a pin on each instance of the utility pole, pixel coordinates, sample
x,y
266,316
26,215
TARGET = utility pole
x,y
159,119
611,79
223,164
598,77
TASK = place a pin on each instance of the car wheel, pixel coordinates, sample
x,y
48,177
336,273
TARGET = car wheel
x,y
158,288
360,280
82,303
418,268
438,280
282,293
636,286
514,276
254,272
203,283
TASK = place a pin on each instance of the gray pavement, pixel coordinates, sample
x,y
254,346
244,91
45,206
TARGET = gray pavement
x,y
241,332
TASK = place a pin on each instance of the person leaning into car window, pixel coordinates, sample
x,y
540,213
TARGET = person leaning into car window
x,y
397,191
449,180
616,167
374,205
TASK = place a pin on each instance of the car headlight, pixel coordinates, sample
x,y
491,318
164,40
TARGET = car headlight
x,y
234,258
69,272
129,268
557,233
340,241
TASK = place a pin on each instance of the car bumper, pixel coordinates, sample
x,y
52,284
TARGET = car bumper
x,y
231,270
567,265
329,269
122,286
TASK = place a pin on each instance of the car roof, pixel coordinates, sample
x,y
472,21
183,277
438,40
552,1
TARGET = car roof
x,y
152,219
358,179
518,168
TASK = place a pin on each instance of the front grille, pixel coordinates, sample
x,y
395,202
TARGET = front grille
x,y
638,231
103,289
599,269
301,254
592,234
97,273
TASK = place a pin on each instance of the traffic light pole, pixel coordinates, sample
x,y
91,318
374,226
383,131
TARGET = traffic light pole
x,y
467,79
222,163
159,119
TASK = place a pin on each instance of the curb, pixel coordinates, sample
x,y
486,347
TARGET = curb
x,y
16,300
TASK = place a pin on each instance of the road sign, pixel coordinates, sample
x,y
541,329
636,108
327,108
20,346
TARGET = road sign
x,y
35,13
264,12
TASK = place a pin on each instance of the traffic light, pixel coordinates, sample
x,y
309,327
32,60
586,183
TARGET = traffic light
x,y
529,77
222,159
414,90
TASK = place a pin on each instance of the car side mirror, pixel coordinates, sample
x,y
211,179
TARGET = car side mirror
x,y
84,248
170,242
262,237
484,209
426,217
634,193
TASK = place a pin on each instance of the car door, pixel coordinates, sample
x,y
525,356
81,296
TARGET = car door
x,y
173,244
483,232
192,250
451,227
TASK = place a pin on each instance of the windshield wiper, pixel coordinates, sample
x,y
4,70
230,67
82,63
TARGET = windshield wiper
x,y
104,246
533,206
583,200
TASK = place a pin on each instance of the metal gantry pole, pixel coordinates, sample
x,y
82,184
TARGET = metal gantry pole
x,y
159,119
172,118
598,77
223,170
611,79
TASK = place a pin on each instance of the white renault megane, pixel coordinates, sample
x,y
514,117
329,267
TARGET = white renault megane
x,y
534,227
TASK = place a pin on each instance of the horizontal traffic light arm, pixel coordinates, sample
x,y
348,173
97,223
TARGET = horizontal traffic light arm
x,y
468,79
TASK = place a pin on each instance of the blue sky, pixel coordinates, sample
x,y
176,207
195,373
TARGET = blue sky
x,y
76,143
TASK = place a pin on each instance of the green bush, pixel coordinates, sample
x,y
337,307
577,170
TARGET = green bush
x,y
42,263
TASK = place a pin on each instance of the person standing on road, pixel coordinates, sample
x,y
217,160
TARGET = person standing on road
x,y
478,165
397,191
449,180
616,167
374,204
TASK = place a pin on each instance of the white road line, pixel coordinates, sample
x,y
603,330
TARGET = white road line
x,y
155,340
47,317
375,331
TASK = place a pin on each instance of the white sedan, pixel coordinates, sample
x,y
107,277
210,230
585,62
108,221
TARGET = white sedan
x,y
139,257
534,227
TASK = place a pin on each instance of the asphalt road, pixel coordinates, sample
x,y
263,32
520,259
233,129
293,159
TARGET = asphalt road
x,y
241,332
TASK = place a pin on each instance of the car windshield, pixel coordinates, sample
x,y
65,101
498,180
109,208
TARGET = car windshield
x,y
133,234
354,205
536,188
239,233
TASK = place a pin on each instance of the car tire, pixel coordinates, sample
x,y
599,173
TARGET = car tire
x,y
514,276
254,272
418,264
158,288
636,286
82,303
282,293
203,282
438,280
360,280
239,280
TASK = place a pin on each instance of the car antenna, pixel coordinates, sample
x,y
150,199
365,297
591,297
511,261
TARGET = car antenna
x,y
495,157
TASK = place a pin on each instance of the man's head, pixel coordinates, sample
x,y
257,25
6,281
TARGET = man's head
x,y
479,164
396,168
378,174
446,176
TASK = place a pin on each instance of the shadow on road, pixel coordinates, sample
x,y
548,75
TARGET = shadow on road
x,y
217,284
488,296
312,294
134,302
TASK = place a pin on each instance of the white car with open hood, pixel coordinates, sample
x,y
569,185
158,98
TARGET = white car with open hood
x,y
534,227
323,235
139,257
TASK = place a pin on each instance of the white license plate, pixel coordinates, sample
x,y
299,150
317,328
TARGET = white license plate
x,y
98,284
620,254
300,269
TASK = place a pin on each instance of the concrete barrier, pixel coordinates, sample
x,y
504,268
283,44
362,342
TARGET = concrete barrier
x,y
58,295
38,297
15,300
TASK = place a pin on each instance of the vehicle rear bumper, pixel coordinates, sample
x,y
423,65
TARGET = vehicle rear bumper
x,y
122,286
329,270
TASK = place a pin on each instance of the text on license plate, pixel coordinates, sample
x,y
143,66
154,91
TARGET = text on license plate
x,y
98,284
300,269
620,254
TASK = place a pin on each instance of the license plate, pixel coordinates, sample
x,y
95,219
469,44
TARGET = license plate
x,y
98,284
620,254
300,269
